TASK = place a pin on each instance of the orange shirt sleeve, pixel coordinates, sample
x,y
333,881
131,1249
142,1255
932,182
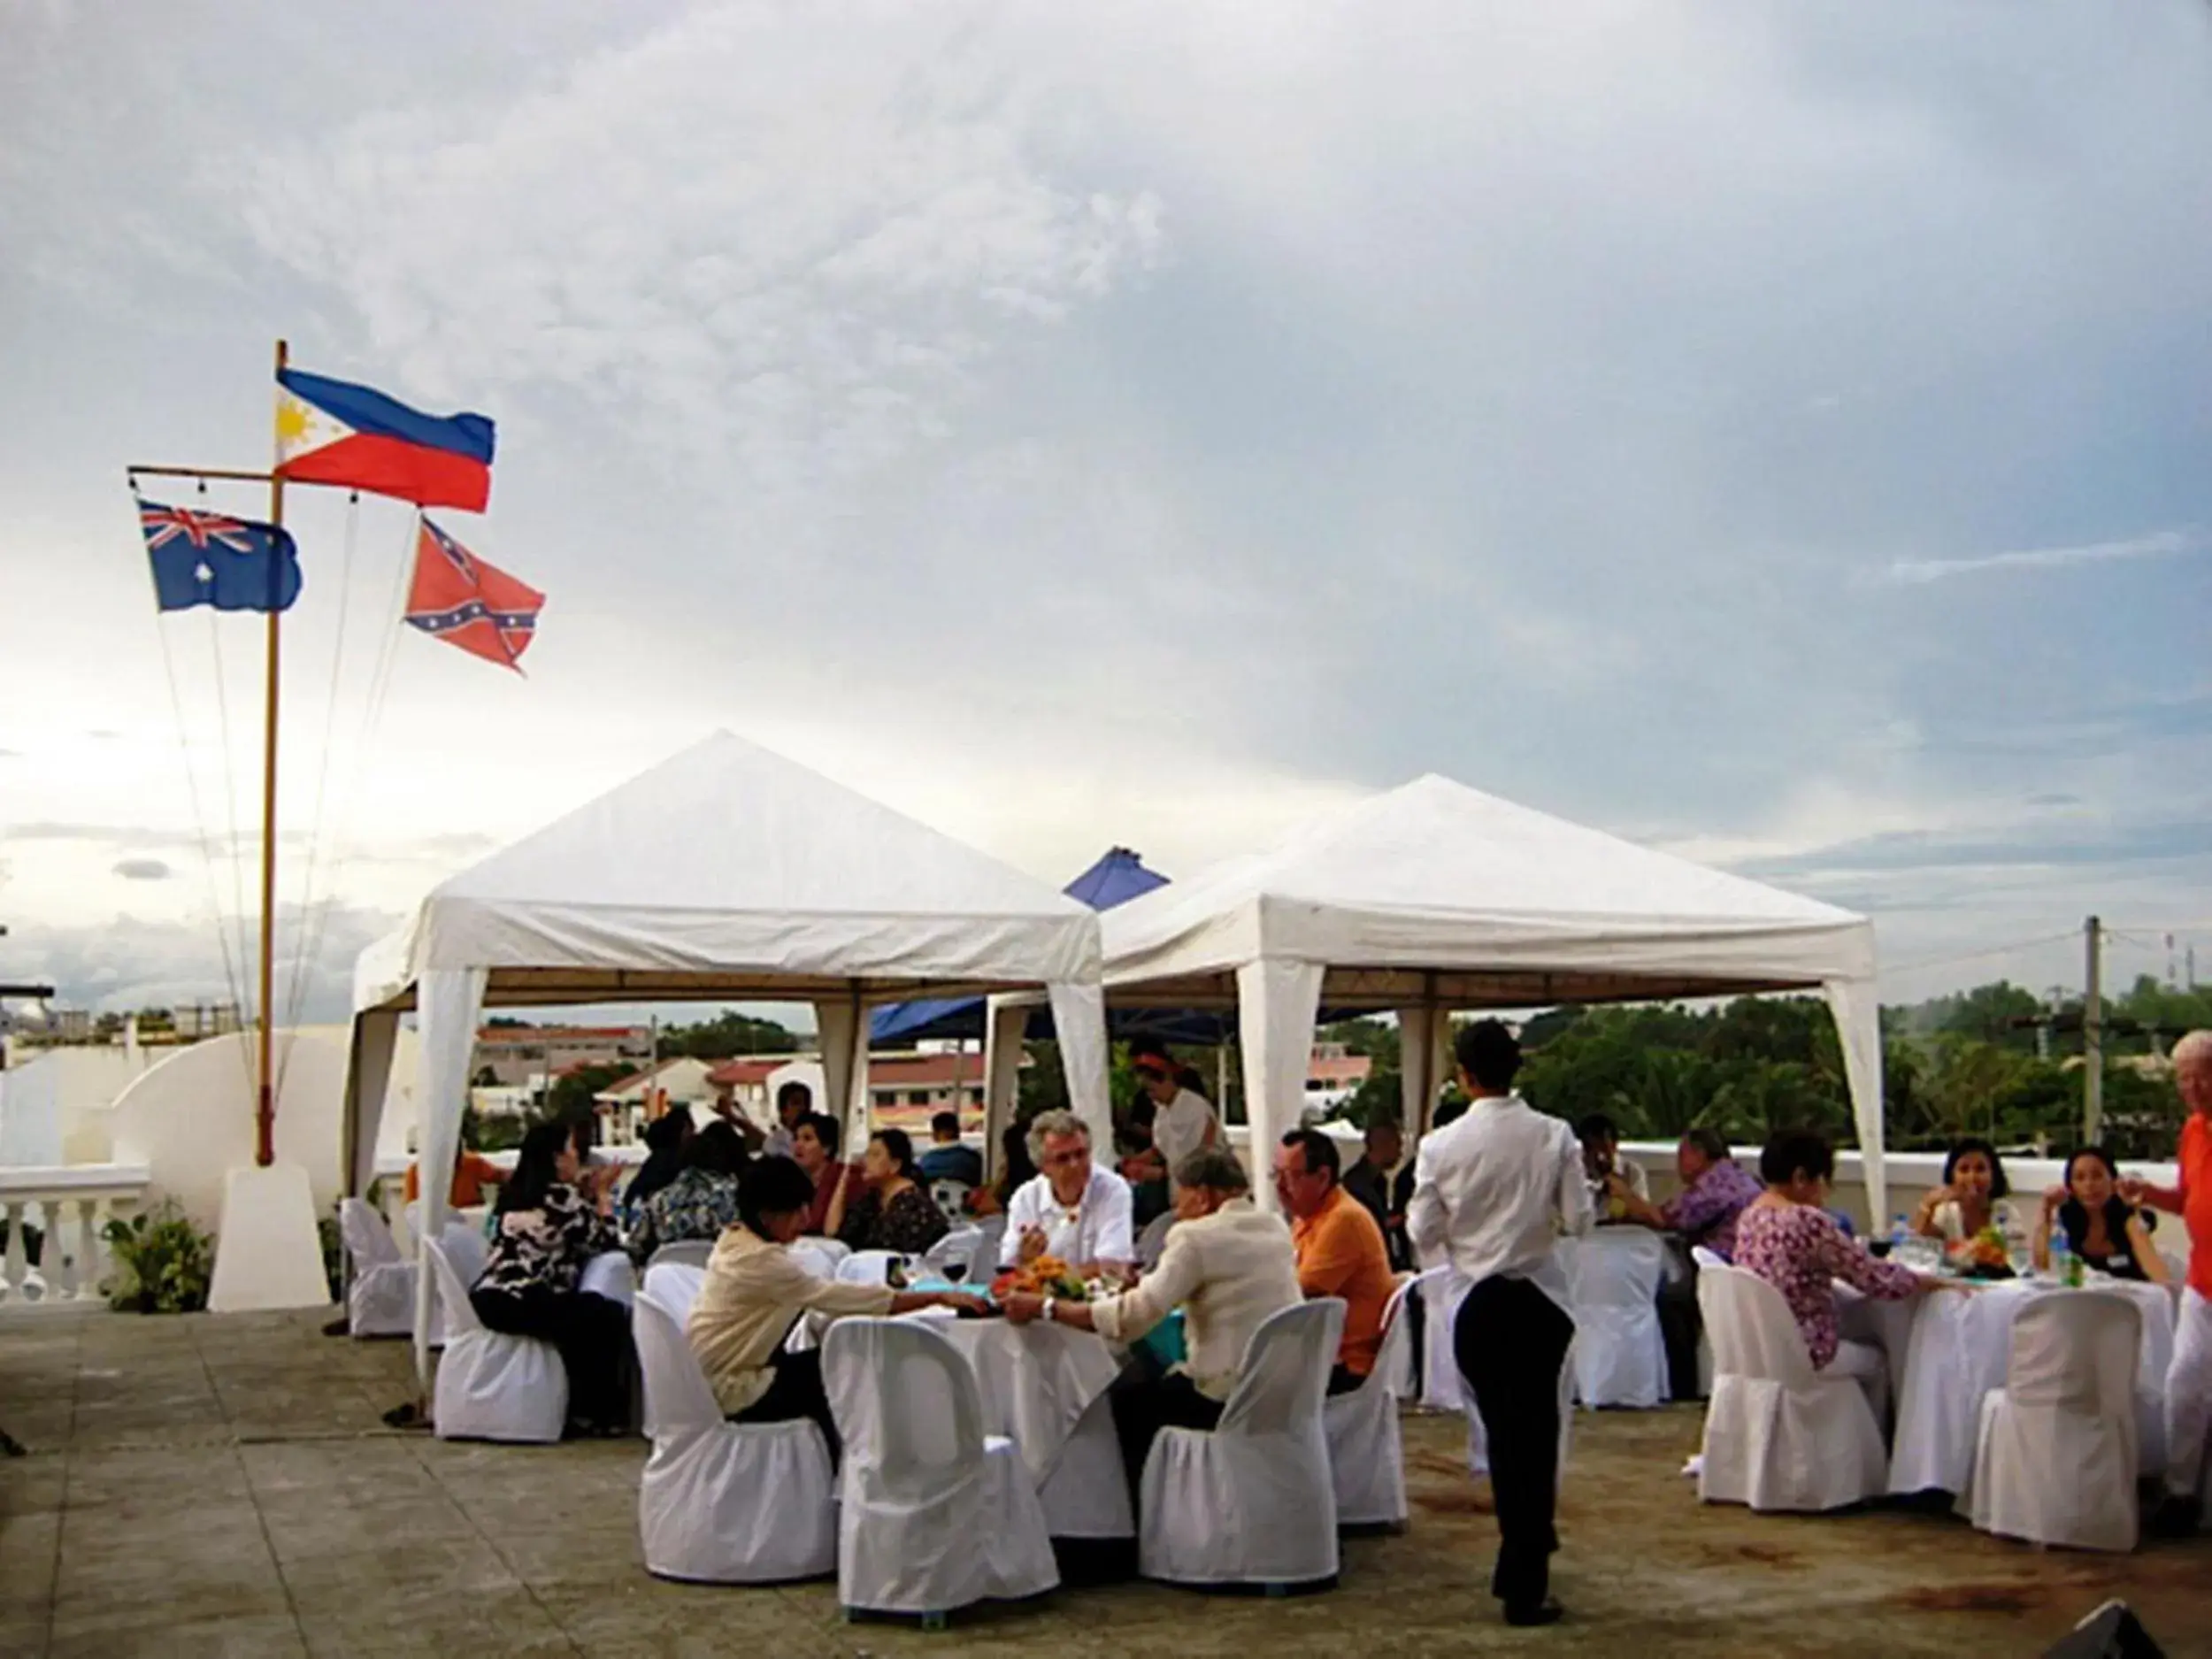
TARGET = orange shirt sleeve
x,y
1331,1257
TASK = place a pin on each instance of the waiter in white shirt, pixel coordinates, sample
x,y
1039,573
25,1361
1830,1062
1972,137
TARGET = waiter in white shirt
x,y
1492,1191
1071,1209
1183,1120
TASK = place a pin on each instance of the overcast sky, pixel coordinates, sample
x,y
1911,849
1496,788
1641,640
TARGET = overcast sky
x,y
1776,432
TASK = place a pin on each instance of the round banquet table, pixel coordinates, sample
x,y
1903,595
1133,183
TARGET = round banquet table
x,y
1959,1348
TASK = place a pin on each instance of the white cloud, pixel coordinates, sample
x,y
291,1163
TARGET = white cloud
x,y
2160,544
782,238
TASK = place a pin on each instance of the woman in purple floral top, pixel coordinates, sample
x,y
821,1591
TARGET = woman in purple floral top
x,y
1789,1240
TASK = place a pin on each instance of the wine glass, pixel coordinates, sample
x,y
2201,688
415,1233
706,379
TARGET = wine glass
x,y
954,1270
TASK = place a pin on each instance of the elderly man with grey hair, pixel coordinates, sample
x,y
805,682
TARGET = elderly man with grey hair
x,y
1229,1265
2189,1376
1071,1208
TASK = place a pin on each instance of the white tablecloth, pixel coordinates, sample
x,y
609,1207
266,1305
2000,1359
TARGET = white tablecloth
x,y
1037,1380
1958,1352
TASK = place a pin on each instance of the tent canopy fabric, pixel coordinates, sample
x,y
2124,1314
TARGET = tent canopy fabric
x,y
1117,876
729,871
1435,896
724,873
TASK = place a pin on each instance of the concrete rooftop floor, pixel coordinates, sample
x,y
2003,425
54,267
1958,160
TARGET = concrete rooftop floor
x,y
212,1486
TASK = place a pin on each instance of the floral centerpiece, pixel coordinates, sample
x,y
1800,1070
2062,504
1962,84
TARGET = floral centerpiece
x,y
1985,1256
1044,1276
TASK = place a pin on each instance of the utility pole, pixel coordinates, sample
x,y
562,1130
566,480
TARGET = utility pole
x,y
2092,1030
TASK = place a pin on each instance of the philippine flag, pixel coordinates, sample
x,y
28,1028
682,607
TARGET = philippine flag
x,y
331,432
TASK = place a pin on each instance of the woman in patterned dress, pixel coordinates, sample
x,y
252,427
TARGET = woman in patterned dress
x,y
553,1216
1787,1237
883,1204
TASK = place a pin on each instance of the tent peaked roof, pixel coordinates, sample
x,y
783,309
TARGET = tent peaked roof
x,y
730,860
1435,876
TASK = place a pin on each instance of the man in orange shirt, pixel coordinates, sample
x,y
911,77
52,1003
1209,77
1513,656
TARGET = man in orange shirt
x,y
472,1172
2189,1376
1341,1249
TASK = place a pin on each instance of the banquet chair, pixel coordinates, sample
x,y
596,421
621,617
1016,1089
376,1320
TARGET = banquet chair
x,y
1366,1456
951,1199
380,1298
492,1386
984,1268
958,1244
867,1267
810,1254
2055,1461
932,1514
611,1274
690,1252
675,1286
1253,1500
1620,1358
1778,1434
1151,1243
724,1502
467,1253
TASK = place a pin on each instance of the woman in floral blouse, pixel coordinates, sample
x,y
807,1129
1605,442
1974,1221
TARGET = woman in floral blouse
x,y
700,1201
553,1216
1788,1238
882,1205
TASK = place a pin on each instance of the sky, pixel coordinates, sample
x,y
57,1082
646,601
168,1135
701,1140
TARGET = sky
x,y
1778,435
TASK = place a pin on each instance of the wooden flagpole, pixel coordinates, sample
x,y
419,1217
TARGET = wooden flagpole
x,y
264,1115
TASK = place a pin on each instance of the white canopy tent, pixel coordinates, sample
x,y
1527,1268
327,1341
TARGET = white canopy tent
x,y
1434,898
727,874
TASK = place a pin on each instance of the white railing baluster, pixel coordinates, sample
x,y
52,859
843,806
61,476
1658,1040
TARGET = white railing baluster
x,y
15,1263
70,1204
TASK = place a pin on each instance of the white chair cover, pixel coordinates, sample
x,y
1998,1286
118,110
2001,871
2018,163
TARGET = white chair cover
x,y
1252,1502
724,1502
611,1274
1366,1456
1613,1277
983,1267
932,1514
1086,1492
691,1252
1778,1434
492,1386
1152,1241
951,1198
381,1299
957,1245
467,1253
2055,1461
810,1254
867,1267
675,1286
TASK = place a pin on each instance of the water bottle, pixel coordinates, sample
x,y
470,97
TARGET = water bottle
x,y
1899,1237
2063,1258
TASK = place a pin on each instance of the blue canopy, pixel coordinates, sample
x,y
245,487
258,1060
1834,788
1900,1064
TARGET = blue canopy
x,y
1114,879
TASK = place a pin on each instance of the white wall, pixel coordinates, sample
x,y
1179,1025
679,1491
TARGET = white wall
x,y
190,1118
55,1107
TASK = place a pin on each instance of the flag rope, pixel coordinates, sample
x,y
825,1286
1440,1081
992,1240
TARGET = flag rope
x,y
308,938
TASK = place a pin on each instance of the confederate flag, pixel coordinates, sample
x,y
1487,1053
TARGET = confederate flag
x,y
459,598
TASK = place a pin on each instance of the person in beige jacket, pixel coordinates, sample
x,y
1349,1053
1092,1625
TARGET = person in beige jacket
x,y
1228,1265
755,1291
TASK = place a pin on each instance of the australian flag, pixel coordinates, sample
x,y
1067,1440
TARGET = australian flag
x,y
459,598
204,558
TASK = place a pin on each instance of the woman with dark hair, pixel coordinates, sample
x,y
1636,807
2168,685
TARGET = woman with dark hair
x,y
552,1219
700,1200
2098,1225
1974,1195
891,1210
665,1138
1788,1238
756,1290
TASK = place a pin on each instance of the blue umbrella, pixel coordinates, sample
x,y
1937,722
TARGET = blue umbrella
x,y
1114,879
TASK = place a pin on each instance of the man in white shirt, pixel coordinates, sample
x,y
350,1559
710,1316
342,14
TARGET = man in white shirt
x,y
1490,1194
1071,1209
1602,1161
1228,1265
1182,1118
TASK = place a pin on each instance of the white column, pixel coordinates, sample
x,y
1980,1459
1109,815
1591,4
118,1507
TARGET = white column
x,y
1078,1016
1005,1023
1277,1003
93,1259
1856,1005
840,1026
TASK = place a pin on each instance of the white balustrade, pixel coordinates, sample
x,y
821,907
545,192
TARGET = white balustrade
x,y
69,1206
